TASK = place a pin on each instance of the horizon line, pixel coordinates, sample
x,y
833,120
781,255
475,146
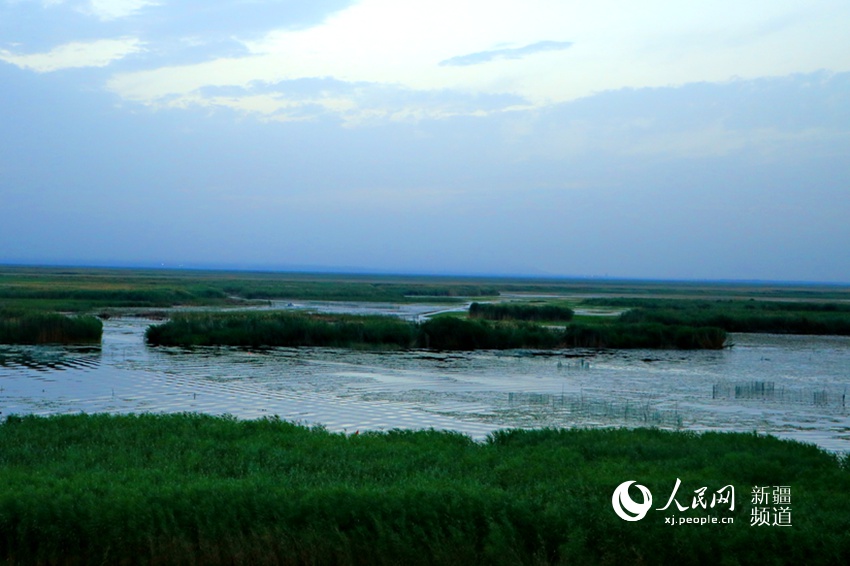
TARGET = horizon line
x,y
365,272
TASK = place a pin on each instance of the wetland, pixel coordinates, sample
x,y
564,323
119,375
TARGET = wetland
x,y
120,450
788,384
803,381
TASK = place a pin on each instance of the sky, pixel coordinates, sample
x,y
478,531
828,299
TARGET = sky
x,y
649,139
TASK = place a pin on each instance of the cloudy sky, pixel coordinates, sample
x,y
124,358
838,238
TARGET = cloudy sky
x,y
643,138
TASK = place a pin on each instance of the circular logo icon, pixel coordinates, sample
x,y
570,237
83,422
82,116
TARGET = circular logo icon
x,y
628,509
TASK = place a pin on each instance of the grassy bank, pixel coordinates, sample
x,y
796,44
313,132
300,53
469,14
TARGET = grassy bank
x,y
190,489
25,327
443,333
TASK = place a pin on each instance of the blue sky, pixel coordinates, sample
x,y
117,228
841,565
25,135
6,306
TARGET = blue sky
x,y
645,139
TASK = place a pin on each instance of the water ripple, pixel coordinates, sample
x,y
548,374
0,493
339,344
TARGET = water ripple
x,y
790,386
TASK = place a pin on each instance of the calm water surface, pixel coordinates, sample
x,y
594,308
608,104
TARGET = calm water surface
x,y
789,386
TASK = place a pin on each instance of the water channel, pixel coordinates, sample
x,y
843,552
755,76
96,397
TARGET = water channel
x,y
789,386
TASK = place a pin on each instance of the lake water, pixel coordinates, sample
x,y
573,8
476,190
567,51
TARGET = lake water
x,y
789,386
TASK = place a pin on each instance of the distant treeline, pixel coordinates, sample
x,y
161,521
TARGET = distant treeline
x,y
515,311
20,327
441,333
776,317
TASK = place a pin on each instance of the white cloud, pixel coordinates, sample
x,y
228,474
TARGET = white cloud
x,y
506,53
115,9
98,53
611,45
274,106
105,10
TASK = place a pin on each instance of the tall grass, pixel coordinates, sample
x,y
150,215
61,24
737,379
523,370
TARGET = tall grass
x,y
450,333
513,311
777,317
644,335
441,333
192,489
281,329
300,329
23,327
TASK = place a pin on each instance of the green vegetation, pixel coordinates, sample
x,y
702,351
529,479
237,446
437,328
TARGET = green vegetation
x,y
518,311
695,318
778,317
450,333
87,290
192,489
644,335
90,290
290,329
281,329
301,329
619,332
22,327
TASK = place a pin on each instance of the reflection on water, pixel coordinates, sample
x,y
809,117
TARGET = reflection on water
x,y
49,358
790,386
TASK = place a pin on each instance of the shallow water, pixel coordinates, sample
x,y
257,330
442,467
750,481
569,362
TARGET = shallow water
x,y
789,386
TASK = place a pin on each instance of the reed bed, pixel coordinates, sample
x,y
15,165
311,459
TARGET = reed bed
x,y
450,333
441,333
775,317
644,335
194,489
290,329
514,311
23,327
